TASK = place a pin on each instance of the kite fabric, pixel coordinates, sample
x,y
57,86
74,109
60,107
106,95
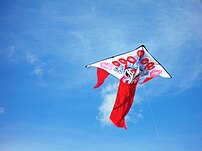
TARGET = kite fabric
x,y
123,103
135,67
101,76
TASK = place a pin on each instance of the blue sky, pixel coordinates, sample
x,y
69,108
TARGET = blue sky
x,y
47,100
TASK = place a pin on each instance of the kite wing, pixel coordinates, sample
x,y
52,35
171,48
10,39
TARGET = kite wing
x,y
151,68
116,65
139,58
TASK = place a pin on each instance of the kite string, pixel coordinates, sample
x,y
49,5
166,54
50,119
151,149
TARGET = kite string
x,y
153,120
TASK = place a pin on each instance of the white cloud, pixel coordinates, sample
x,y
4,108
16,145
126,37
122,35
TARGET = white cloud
x,y
38,71
135,117
10,53
37,64
109,95
31,58
192,77
2,110
110,88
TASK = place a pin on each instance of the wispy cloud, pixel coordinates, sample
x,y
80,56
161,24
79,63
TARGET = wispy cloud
x,y
31,58
38,71
135,116
192,78
109,95
37,64
10,53
2,110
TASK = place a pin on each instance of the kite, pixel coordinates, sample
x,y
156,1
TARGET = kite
x,y
131,68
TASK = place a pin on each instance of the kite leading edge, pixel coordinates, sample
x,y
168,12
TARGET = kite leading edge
x,y
134,67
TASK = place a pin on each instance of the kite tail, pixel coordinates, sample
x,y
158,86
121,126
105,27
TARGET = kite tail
x,y
101,76
123,103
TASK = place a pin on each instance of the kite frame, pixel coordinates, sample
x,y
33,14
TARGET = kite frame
x,y
143,46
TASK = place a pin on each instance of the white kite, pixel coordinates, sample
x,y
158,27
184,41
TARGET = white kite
x,y
134,67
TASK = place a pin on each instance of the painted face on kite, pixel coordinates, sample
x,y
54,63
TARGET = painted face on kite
x,y
131,75
131,68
